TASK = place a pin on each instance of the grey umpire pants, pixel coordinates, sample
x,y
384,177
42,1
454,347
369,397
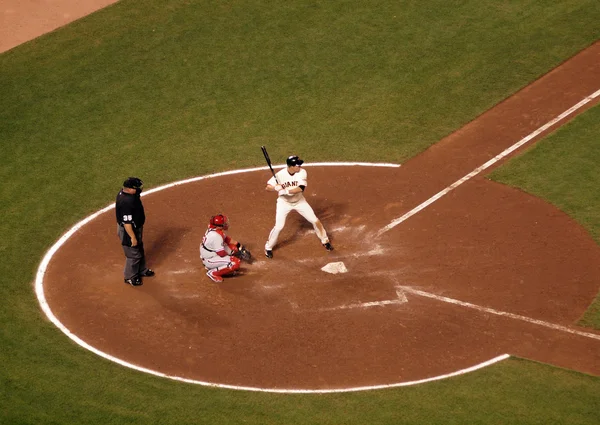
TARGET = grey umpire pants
x,y
135,262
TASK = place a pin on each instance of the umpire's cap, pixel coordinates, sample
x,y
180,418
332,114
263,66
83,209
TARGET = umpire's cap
x,y
133,183
293,160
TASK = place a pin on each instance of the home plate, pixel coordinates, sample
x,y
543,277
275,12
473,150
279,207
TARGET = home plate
x,y
335,268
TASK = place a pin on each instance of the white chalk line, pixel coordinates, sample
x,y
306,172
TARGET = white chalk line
x,y
488,164
248,170
362,305
401,299
499,313
39,290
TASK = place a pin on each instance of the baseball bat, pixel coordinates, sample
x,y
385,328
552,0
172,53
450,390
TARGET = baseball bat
x,y
266,154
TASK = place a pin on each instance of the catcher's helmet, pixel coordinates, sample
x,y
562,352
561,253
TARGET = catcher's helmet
x,y
219,220
293,160
133,183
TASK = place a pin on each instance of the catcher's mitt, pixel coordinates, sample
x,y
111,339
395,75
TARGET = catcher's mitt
x,y
243,254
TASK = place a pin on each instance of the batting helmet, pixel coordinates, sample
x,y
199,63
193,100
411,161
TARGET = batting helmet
x,y
219,220
293,160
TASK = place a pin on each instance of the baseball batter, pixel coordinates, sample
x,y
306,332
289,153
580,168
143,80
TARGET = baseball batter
x,y
289,184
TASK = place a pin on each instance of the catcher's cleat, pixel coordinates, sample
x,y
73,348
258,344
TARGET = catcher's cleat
x,y
268,253
134,281
148,273
211,274
328,246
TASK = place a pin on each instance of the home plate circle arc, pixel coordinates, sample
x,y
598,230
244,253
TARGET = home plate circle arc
x,y
335,268
344,331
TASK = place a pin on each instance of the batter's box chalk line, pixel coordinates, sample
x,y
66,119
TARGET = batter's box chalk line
x,y
40,293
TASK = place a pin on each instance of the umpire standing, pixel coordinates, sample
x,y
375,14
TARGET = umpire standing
x,y
130,226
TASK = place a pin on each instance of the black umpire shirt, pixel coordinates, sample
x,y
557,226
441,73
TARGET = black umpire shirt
x,y
129,209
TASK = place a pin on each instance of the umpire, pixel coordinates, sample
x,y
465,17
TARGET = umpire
x,y
130,220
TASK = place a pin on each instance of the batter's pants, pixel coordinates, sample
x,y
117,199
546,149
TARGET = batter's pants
x,y
303,208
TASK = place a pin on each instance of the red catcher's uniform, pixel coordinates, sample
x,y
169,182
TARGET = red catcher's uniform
x,y
215,241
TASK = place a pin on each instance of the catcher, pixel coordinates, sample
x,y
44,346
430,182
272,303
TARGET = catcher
x,y
220,254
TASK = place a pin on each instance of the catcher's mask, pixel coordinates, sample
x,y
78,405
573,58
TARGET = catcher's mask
x,y
219,220
294,161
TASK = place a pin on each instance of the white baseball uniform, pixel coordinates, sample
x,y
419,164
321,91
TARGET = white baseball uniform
x,y
215,240
295,201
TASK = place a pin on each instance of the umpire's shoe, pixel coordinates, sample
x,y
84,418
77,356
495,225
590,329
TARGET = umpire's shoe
x,y
268,253
147,273
134,281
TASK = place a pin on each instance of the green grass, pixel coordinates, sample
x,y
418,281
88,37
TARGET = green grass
x,y
514,391
172,89
563,169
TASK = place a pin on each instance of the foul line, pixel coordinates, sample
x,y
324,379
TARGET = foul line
x,y
491,162
39,281
499,313
39,290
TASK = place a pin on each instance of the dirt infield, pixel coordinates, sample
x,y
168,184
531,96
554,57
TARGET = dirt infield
x,y
482,271
24,20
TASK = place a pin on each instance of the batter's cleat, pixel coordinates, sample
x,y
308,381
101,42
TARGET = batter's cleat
x,y
328,246
134,281
148,273
211,274
268,253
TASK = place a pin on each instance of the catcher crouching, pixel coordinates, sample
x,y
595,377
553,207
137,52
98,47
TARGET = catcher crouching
x,y
220,254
